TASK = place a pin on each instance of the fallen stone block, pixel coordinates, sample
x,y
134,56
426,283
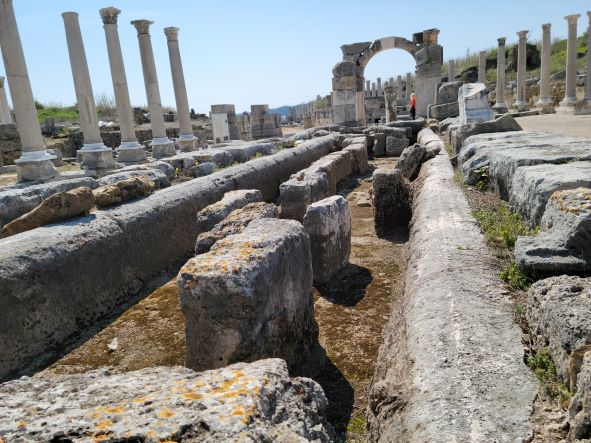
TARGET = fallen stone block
x,y
473,104
302,189
159,179
347,141
392,201
532,186
559,315
58,159
579,410
235,312
55,208
337,167
444,111
123,191
213,214
414,125
165,168
431,142
563,245
243,402
359,152
505,123
328,223
443,125
395,146
399,132
234,224
448,92
410,161
202,169
243,153
379,146
186,160
15,202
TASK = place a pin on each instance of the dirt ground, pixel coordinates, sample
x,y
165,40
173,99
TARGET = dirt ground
x,y
573,125
288,130
351,311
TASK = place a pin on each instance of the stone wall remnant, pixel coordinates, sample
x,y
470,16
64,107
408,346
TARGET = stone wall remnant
x,y
392,202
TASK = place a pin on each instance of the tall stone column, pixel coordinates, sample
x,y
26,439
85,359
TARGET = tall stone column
x,y
408,86
451,72
5,116
390,102
130,151
380,90
186,140
545,104
367,88
35,161
374,91
570,90
521,103
482,67
500,105
162,146
95,155
399,94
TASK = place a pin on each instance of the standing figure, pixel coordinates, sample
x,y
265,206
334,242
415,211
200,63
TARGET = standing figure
x,y
413,105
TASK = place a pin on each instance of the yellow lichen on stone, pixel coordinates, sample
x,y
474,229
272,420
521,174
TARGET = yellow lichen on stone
x,y
166,413
21,424
100,437
104,424
193,396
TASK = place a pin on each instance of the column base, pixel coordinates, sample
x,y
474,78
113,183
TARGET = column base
x,y
568,102
186,142
521,106
131,153
545,106
96,157
500,108
583,107
162,147
35,166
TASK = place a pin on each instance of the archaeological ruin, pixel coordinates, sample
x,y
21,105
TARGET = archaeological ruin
x,y
406,258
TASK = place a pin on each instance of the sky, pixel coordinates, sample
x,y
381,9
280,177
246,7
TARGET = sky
x,y
264,51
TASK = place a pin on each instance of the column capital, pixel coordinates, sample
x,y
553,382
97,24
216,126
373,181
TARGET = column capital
x,y
522,34
69,14
501,41
172,33
483,52
546,27
2,82
572,19
142,26
109,15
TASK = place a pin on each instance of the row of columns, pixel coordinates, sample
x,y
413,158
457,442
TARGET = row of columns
x,y
375,89
35,162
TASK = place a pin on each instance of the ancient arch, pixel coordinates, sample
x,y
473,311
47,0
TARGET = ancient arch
x,y
348,76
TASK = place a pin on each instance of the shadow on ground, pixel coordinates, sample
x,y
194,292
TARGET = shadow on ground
x,y
348,286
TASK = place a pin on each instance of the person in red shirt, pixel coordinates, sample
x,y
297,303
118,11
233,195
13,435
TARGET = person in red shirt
x,y
413,105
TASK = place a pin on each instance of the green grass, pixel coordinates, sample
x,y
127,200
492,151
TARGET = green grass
x,y
58,112
543,367
514,277
501,227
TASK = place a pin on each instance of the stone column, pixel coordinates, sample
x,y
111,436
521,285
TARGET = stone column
x,y
482,67
186,140
162,146
130,151
521,103
570,90
374,92
390,102
5,116
451,72
545,104
500,105
408,86
379,86
399,94
95,155
35,162
367,88
588,77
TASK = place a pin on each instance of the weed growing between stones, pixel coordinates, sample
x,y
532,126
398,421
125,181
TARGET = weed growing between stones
x,y
513,276
545,370
501,227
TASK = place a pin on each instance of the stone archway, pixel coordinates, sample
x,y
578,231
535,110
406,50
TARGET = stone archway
x,y
348,76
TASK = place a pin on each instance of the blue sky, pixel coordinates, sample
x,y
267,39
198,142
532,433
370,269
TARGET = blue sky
x,y
263,51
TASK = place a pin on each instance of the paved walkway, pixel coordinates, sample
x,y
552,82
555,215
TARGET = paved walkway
x,y
573,125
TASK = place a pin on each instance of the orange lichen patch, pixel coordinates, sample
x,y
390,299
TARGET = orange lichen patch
x,y
166,413
143,399
104,424
100,437
150,433
21,424
245,413
193,396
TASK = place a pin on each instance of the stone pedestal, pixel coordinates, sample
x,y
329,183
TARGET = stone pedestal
x,y
35,162
130,151
5,116
521,103
161,145
500,105
186,140
482,67
545,104
94,154
570,90
584,106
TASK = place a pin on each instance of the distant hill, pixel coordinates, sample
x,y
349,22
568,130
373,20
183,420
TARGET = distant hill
x,y
283,110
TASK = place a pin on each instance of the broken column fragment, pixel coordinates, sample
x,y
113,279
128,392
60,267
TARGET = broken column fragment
x,y
328,223
211,215
392,201
410,161
234,311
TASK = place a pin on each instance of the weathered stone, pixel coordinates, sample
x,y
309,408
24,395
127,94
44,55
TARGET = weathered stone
x,y
398,132
473,103
159,179
559,317
213,214
234,224
164,167
410,161
504,123
355,48
59,157
202,169
392,202
431,142
532,186
16,201
563,246
320,133
123,191
448,92
328,223
361,139
337,167
395,146
379,146
446,110
579,409
359,152
242,402
235,312
186,160
56,207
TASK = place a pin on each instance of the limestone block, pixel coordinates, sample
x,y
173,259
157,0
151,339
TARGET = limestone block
x,y
579,410
297,193
359,151
444,111
234,311
355,48
505,123
361,139
159,178
17,201
337,167
347,68
213,214
399,132
395,146
202,169
59,157
559,315
234,224
563,246
379,147
410,161
392,201
448,92
473,104
328,223
123,191
164,167
242,402
55,208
